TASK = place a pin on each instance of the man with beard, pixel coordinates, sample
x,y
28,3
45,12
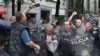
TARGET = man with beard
x,y
65,48
79,23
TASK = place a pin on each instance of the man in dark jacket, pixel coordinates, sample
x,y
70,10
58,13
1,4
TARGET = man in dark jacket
x,y
20,43
93,31
65,48
50,40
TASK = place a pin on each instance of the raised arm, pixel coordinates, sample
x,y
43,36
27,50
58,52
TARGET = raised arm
x,y
83,19
71,17
33,5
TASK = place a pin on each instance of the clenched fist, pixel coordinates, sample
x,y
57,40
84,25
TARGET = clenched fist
x,y
37,47
74,13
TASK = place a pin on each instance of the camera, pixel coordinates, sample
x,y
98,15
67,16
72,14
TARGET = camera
x,y
37,5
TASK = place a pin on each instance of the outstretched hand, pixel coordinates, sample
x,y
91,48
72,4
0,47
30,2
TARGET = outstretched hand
x,y
33,5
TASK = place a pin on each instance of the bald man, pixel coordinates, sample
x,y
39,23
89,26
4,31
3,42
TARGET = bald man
x,y
12,19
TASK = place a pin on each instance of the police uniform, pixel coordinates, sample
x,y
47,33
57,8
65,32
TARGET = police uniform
x,y
35,34
65,47
94,33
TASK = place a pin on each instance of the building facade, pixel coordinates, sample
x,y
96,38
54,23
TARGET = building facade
x,y
88,5
91,5
45,11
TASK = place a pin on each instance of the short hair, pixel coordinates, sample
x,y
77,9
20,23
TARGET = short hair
x,y
70,23
49,26
79,19
19,15
12,19
44,22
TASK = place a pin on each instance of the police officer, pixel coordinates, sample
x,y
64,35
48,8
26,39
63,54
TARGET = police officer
x,y
65,48
93,31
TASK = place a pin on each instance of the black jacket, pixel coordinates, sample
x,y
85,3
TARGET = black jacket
x,y
16,46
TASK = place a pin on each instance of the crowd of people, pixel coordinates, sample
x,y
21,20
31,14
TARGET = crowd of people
x,y
20,37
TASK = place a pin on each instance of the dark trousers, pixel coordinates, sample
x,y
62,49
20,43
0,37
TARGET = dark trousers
x,y
50,53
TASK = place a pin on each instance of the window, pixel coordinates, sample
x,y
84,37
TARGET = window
x,y
52,0
45,15
71,4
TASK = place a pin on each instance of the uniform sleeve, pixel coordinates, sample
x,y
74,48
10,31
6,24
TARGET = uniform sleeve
x,y
25,36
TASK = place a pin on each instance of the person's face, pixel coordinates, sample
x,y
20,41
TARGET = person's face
x,y
48,31
31,25
88,26
24,18
13,19
78,23
67,25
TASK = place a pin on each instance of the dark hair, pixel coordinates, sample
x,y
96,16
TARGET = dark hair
x,y
79,19
70,23
44,22
19,16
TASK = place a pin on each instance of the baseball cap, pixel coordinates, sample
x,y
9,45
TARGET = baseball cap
x,y
44,22
32,21
90,20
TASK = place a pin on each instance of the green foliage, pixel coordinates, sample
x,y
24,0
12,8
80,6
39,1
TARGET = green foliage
x,y
22,1
78,6
32,1
49,0
6,2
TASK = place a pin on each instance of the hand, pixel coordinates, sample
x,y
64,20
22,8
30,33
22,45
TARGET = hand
x,y
37,47
55,37
74,13
48,41
69,33
33,5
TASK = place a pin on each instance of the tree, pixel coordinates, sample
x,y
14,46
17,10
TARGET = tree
x,y
49,0
57,8
6,2
19,2
32,1
78,6
99,5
